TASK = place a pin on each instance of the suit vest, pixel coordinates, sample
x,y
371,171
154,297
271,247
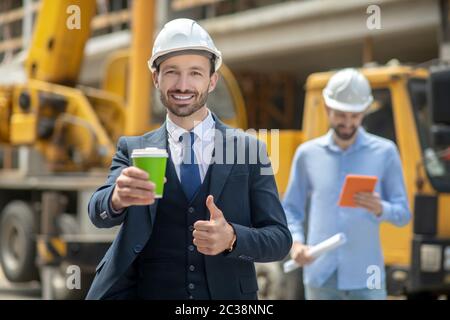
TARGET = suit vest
x,y
170,267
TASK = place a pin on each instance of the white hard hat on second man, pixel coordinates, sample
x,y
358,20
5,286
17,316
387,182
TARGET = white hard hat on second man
x,y
348,90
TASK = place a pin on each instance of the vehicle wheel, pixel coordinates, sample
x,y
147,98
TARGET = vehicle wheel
x,y
18,242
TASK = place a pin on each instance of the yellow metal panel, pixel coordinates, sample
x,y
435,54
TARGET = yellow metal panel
x,y
44,246
315,120
289,141
58,41
397,241
281,147
44,253
238,100
115,78
5,113
139,114
59,245
444,216
110,109
23,128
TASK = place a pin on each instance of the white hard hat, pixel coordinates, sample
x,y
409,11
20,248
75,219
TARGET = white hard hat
x,y
348,90
183,35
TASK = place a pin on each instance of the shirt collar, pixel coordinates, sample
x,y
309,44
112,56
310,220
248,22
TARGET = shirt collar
x,y
201,129
362,139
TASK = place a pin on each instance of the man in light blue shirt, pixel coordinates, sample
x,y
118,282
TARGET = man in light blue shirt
x,y
318,172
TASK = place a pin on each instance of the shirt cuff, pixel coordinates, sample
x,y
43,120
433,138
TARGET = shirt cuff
x,y
233,245
386,212
114,213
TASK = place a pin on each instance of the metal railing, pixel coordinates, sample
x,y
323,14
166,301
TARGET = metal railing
x,y
206,9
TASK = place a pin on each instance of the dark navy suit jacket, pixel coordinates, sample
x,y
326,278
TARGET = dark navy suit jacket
x,y
249,201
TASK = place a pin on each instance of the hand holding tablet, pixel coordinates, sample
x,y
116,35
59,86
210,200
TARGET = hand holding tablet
x,y
354,184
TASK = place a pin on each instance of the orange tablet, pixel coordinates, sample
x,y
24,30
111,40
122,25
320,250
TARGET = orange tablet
x,y
354,184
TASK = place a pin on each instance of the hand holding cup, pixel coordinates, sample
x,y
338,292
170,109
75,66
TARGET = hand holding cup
x,y
142,183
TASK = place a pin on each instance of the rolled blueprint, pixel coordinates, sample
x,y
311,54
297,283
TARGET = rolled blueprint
x,y
327,245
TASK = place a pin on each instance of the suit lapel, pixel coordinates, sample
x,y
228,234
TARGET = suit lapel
x,y
220,168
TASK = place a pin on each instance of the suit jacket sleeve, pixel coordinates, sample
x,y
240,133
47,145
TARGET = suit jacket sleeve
x,y
100,211
268,239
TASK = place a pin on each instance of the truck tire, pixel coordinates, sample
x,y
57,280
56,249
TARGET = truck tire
x,y
18,227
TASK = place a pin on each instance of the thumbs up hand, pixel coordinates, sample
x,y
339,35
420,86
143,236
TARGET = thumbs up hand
x,y
215,213
215,235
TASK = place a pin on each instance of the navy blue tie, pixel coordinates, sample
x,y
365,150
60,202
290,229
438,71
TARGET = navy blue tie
x,y
189,171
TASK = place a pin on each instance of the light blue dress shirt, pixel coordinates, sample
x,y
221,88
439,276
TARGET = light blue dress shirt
x,y
318,172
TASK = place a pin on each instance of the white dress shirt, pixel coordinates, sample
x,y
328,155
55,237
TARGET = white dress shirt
x,y
203,143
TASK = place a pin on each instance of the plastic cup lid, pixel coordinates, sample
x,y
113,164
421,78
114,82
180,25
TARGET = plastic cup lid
x,y
149,152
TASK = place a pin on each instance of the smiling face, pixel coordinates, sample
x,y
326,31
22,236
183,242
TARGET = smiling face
x,y
344,124
184,83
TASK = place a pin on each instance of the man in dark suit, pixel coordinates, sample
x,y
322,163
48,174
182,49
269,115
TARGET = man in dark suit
x,y
218,214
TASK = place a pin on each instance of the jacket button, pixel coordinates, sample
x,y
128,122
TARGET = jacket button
x,y
191,286
191,228
137,248
191,210
191,248
191,268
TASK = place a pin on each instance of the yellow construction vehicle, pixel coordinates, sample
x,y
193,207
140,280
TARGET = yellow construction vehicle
x,y
57,140
411,109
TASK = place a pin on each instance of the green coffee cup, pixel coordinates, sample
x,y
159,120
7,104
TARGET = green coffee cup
x,y
153,161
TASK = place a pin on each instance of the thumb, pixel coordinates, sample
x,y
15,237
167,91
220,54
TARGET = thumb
x,y
215,213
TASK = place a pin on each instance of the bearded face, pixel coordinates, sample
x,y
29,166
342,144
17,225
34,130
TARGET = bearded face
x,y
345,124
184,83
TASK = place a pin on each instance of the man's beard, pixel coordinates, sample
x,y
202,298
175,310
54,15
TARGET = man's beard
x,y
184,110
344,136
